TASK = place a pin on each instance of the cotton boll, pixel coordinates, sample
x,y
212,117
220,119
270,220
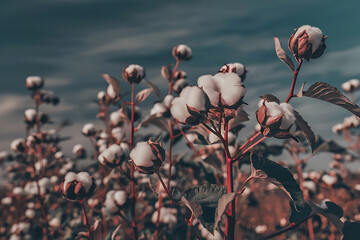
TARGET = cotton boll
x,y
142,155
34,82
55,223
328,179
30,213
69,177
115,118
310,185
88,129
196,99
180,85
158,109
85,179
120,197
101,96
273,109
6,201
314,33
346,86
19,191
231,87
118,133
179,110
355,83
111,93
18,145
209,86
337,128
182,52
167,216
30,116
167,101
261,229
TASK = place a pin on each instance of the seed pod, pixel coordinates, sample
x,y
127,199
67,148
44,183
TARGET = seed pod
x,y
134,73
78,186
182,52
34,82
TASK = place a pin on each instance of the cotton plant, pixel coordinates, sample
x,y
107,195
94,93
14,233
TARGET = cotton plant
x,y
136,183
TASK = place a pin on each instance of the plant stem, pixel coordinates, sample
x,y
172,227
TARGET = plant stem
x,y
296,72
86,220
172,77
230,220
190,223
170,150
132,179
166,189
186,138
158,218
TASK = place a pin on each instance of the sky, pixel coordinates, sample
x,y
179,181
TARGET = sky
x,y
72,42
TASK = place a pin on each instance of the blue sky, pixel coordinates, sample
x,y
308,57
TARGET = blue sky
x,y
72,42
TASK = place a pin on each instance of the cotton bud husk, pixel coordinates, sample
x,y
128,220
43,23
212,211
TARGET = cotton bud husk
x,y
77,186
182,52
307,42
112,156
134,73
34,82
148,156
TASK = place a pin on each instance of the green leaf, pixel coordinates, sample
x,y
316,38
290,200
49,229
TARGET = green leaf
x,y
282,55
322,145
306,129
328,93
160,122
280,176
154,88
208,203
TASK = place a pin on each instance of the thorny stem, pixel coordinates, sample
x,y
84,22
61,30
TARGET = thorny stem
x,y
296,72
86,220
133,190
172,76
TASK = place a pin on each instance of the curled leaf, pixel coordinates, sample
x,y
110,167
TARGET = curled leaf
x,y
328,93
282,55
306,129
142,95
280,176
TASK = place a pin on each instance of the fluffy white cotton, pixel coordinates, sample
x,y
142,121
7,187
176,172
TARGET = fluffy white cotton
x,y
6,201
18,191
134,67
88,129
351,121
168,100
328,179
30,213
69,177
111,92
118,133
142,155
229,85
180,85
337,128
184,49
275,110
260,229
85,179
346,86
120,197
158,109
16,143
30,115
167,216
101,95
314,33
34,81
77,148
310,185
237,68
55,222
193,97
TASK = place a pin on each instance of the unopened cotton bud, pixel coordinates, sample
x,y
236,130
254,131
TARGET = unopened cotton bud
x,y
88,130
34,82
148,156
307,42
182,52
134,73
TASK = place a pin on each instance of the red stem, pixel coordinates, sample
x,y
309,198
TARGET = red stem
x,y
230,220
172,76
296,72
166,189
158,218
132,179
170,151
86,220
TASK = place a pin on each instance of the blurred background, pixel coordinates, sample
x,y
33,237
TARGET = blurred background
x,y
72,42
